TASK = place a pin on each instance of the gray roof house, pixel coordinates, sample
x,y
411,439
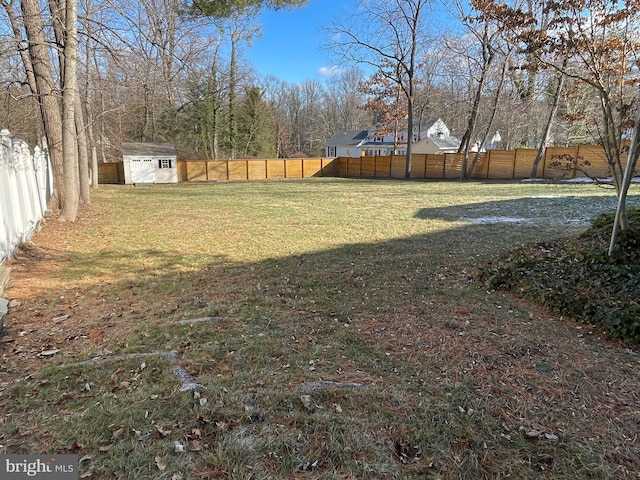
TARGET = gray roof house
x,y
146,163
346,143
434,138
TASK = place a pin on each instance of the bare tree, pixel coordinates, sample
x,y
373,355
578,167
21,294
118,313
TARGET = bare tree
x,y
599,40
388,35
343,102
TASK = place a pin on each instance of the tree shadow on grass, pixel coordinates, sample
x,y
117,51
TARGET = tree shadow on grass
x,y
547,211
398,315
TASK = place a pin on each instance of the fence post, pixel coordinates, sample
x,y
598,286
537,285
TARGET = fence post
x,y
5,233
13,207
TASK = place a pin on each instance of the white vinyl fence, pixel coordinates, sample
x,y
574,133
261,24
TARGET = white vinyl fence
x,y
26,184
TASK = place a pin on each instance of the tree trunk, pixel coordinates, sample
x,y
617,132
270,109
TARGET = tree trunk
x,y
88,100
83,154
465,144
69,98
621,220
494,110
47,94
233,127
547,128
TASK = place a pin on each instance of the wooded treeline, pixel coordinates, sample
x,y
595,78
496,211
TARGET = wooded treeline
x,y
173,71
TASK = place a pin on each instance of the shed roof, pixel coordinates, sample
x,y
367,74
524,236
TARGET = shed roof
x,y
139,149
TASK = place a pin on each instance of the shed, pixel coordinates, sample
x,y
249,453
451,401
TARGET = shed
x,y
149,163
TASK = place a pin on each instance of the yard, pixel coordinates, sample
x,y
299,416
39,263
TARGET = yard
x,y
339,333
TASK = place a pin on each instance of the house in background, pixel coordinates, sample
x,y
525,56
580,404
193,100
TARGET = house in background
x,y
345,143
437,139
434,137
146,163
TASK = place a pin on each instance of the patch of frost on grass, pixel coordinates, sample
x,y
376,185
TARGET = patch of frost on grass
x,y
485,220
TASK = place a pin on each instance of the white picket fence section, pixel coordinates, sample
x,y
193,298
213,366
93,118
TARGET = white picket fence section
x,y
26,184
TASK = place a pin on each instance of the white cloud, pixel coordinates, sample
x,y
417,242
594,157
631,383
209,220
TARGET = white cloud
x,y
329,71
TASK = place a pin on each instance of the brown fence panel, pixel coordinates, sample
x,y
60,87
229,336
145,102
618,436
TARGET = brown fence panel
x,y
383,166
111,173
418,165
237,169
217,170
293,168
311,167
355,166
329,167
275,169
435,166
196,171
182,171
343,166
592,162
523,162
398,166
481,170
453,165
501,164
367,167
560,162
256,169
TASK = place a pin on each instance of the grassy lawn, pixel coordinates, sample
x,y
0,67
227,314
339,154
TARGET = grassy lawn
x,y
344,337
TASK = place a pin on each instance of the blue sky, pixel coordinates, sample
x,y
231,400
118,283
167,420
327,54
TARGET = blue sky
x,y
290,46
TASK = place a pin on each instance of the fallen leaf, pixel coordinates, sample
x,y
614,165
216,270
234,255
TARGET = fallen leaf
x,y
463,311
105,448
95,333
117,434
75,447
160,463
195,446
163,431
87,474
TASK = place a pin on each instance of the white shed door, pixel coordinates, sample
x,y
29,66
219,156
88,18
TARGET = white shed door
x,y
143,170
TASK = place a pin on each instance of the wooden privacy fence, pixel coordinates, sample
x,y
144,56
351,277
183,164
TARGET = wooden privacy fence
x,y
203,171
558,162
25,187
111,173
